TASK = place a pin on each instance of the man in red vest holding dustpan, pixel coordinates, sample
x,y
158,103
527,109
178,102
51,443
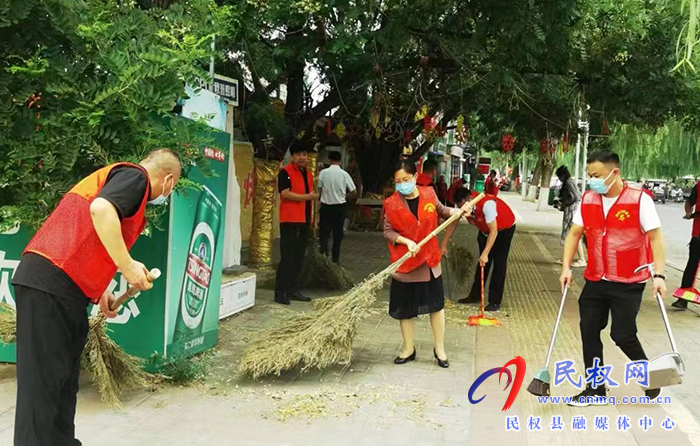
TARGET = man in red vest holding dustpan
x,y
623,233
295,185
68,264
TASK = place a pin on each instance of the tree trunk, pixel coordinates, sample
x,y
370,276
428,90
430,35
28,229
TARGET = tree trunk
x,y
376,159
262,230
534,187
546,179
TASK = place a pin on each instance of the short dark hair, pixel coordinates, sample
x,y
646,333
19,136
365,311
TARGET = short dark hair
x,y
407,165
461,194
430,165
493,172
605,157
334,156
297,149
563,172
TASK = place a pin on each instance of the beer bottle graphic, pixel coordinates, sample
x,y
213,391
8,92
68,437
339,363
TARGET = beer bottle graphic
x,y
198,269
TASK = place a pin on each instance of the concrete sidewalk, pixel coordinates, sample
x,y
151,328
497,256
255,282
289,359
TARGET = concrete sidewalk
x,y
371,401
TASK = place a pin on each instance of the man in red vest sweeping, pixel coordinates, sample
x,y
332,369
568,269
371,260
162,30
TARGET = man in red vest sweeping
x,y
691,268
295,185
496,224
68,264
623,233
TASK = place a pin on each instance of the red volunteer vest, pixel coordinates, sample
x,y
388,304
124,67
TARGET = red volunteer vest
x,y
490,187
424,180
406,224
68,238
295,211
504,220
616,244
696,220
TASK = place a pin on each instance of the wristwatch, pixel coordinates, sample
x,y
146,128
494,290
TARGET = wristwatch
x,y
659,276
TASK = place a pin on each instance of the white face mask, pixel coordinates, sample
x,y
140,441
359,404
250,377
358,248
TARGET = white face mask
x,y
160,199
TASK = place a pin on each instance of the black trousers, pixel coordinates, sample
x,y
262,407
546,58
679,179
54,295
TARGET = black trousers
x,y
691,268
332,221
498,258
51,334
621,301
293,250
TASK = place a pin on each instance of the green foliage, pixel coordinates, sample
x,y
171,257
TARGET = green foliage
x,y
182,370
89,83
669,152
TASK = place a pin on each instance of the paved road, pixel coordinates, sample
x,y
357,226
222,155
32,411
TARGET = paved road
x,y
676,232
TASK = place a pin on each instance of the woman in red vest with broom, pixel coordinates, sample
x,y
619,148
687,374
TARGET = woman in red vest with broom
x,y
410,214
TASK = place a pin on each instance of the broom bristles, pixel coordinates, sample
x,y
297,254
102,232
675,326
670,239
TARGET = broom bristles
x,y
8,324
538,388
317,339
320,272
113,370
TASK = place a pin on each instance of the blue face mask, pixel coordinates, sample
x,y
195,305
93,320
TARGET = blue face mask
x,y
598,185
406,188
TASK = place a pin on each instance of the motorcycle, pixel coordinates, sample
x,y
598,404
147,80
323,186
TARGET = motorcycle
x,y
677,195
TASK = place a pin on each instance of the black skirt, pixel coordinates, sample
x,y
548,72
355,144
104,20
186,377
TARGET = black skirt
x,y
409,299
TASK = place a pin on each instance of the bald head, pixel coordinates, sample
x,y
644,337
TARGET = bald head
x,y
164,168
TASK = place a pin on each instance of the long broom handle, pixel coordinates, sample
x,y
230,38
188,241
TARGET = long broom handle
x,y
556,327
131,291
438,230
482,289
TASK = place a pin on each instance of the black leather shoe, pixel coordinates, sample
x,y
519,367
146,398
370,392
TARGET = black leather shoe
x,y
680,304
282,298
469,300
300,297
400,360
492,307
444,364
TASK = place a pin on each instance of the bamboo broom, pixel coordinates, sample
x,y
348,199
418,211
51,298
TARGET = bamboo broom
x,y
324,336
112,369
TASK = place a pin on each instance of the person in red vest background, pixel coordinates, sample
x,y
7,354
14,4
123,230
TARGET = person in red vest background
x,y
691,268
410,214
496,224
491,185
427,177
68,264
456,184
442,189
295,185
623,233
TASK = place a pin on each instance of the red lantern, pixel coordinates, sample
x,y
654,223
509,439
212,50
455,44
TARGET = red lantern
x,y
565,143
427,123
507,142
552,145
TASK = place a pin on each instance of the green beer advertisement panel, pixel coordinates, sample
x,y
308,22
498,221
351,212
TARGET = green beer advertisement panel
x,y
196,245
139,326
12,244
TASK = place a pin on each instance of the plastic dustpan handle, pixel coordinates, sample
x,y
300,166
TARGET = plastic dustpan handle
x,y
660,300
